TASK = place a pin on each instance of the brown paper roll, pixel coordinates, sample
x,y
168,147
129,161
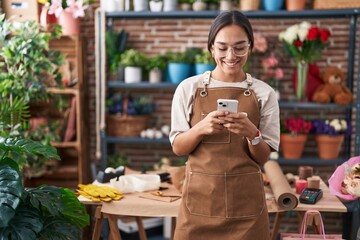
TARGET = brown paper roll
x,y
285,198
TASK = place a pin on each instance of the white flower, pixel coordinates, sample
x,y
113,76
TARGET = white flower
x,y
305,25
291,33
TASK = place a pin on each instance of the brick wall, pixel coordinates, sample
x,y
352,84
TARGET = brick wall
x,y
159,35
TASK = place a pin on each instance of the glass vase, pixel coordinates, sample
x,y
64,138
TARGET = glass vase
x,y
302,69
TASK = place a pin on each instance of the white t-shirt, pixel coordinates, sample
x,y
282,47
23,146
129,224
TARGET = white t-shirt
x,y
184,96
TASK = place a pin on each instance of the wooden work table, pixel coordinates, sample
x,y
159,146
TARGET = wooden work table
x,y
133,205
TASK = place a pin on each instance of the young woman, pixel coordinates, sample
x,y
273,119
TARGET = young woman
x,y
223,194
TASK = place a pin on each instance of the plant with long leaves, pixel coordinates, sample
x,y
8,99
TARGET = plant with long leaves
x,y
44,212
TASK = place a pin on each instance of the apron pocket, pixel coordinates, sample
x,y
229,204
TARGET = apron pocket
x,y
221,137
245,196
206,194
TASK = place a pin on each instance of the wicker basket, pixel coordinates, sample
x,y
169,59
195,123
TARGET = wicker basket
x,y
126,126
335,4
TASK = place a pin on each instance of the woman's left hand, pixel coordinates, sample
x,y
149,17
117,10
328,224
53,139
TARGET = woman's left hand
x,y
240,124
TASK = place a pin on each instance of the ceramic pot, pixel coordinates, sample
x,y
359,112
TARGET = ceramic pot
x,y
170,5
140,5
273,5
295,5
292,145
199,5
249,5
133,74
155,76
69,24
156,6
226,5
329,146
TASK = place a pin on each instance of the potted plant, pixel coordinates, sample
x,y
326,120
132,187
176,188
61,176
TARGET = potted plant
x,y
68,13
213,4
180,63
44,212
293,136
156,65
28,65
204,62
133,61
199,5
185,5
329,136
115,46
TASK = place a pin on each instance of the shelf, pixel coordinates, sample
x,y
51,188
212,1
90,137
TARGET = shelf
x,y
64,144
313,105
63,91
143,85
135,140
310,161
339,13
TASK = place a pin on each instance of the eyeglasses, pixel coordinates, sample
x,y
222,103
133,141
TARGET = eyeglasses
x,y
238,50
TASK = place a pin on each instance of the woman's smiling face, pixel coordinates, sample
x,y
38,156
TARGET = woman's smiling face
x,y
231,49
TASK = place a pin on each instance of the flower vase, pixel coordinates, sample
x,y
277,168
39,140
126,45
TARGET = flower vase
x,y
301,81
69,24
329,146
292,145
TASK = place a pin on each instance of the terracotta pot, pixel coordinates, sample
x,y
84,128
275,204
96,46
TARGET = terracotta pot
x,y
295,5
69,24
329,146
292,145
37,121
249,5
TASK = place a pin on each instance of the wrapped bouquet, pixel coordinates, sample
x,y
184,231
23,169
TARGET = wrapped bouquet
x,y
345,181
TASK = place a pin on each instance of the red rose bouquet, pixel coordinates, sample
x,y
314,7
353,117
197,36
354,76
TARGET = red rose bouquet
x,y
304,42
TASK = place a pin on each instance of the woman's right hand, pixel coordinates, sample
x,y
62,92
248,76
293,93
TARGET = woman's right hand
x,y
212,123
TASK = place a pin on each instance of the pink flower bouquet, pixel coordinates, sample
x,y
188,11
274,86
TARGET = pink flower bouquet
x,y
345,181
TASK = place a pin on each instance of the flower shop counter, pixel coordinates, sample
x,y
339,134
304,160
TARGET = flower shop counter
x,y
135,205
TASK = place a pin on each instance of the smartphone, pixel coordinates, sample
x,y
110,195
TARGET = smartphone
x,y
230,105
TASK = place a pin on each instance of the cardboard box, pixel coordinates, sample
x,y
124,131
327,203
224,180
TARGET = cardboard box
x,y
21,10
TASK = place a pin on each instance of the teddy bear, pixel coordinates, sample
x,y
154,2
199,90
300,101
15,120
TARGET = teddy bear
x,y
333,88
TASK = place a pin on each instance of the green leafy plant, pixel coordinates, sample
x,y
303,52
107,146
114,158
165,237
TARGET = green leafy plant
x,y
133,58
27,64
204,57
157,62
44,212
115,45
117,160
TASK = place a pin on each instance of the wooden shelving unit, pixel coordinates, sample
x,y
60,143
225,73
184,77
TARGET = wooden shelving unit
x,y
74,165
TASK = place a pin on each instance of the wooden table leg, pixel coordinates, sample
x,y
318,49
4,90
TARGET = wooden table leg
x,y
276,226
114,230
173,226
141,230
98,224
